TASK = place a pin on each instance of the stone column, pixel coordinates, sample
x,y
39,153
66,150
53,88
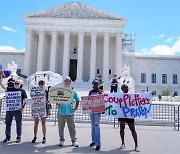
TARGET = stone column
x,y
40,54
53,54
106,57
80,56
28,52
118,55
93,57
65,70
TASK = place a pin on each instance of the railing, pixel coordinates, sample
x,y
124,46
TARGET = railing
x,y
163,113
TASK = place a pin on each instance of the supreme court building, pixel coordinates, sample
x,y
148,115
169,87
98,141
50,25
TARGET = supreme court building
x,y
82,42
74,40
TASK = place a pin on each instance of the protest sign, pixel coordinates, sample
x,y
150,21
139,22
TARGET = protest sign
x,y
13,100
38,107
121,105
60,95
93,104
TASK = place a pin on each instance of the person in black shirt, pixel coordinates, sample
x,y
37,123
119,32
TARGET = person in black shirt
x,y
95,118
14,85
130,123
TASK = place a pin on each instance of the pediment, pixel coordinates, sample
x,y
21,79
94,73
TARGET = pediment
x,y
74,10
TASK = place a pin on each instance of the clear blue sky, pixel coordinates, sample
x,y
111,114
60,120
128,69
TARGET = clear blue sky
x,y
155,22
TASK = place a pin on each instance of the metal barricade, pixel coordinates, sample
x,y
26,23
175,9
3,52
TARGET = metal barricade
x,y
162,114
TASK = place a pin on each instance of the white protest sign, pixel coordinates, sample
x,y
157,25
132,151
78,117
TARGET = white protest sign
x,y
38,107
121,105
13,100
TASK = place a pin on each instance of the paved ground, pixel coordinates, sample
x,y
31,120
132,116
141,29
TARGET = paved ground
x,y
152,140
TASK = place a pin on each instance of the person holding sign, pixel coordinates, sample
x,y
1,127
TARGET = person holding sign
x,y
95,118
39,109
66,113
15,102
130,123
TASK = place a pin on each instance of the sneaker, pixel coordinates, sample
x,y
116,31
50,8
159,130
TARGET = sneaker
x,y
34,139
18,140
92,144
61,143
6,139
98,148
75,144
44,140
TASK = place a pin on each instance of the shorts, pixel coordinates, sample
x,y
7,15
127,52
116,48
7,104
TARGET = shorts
x,y
127,120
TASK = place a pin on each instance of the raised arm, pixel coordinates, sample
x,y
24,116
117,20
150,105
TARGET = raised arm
x,y
1,84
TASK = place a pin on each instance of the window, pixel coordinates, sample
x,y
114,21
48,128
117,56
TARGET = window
x,y
153,78
143,77
164,78
97,71
174,78
175,93
109,71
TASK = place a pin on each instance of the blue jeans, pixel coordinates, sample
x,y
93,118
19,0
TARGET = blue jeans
x,y
9,118
95,128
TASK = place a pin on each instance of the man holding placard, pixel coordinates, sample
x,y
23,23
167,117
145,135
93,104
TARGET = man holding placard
x,y
66,109
15,98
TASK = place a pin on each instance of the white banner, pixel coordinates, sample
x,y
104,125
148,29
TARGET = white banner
x,y
38,107
121,105
13,100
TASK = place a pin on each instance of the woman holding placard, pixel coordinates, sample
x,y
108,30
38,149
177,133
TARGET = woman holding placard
x,y
95,118
43,115
130,123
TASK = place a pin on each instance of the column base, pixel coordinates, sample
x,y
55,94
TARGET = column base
x,y
78,80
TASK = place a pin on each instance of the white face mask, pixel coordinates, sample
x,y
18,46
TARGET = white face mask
x,y
16,86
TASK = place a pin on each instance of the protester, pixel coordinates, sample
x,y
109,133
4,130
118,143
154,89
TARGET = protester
x,y
100,82
130,123
41,84
66,113
14,86
95,118
114,84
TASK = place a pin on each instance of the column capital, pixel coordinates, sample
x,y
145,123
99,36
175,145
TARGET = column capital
x,y
81,33
54,32
41,31
29,31
106,33
66,32
119,34
93,34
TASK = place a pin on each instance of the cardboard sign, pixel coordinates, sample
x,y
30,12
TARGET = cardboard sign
x,y
120,105
13,100
93,104
38,107
60,95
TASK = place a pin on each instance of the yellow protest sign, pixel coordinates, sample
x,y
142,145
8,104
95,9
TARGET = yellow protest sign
x,y
60,95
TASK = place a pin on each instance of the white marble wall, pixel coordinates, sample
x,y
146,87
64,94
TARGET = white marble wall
x,y
159,65
8,57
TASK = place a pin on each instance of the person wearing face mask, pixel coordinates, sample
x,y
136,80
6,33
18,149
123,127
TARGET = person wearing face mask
x,y
41,84
14,85
95,118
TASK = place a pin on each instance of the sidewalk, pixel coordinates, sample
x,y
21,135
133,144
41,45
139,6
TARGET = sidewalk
x,y
152,140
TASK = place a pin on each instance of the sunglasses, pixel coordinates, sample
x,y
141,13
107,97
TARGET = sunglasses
x,y
16,83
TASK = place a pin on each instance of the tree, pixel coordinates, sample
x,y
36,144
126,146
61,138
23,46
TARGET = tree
x,y
166,92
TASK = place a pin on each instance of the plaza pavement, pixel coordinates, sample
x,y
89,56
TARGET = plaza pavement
x,y
152,140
